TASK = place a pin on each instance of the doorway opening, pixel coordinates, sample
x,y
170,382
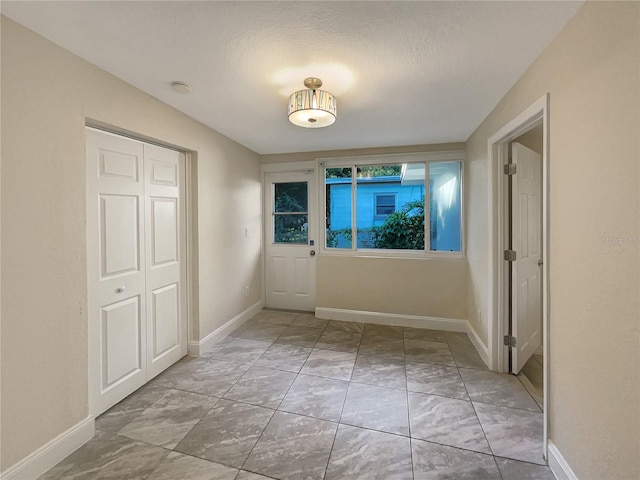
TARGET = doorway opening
x,y
519,249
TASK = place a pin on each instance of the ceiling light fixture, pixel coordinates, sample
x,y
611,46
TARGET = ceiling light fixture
x,y
312,108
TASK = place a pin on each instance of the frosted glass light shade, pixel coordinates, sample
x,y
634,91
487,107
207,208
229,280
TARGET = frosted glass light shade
x,y
312,108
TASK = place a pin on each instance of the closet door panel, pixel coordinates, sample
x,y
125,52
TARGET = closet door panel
x,y
165,262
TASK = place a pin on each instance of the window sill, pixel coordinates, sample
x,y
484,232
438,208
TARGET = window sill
x,y
401,254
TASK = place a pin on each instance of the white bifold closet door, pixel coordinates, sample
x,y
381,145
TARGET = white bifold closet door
x,y
136,264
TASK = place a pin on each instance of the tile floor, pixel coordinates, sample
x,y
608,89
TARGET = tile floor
x,y
290,396
533,372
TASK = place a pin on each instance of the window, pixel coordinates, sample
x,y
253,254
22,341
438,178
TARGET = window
x,y
412,206
385,204
290,215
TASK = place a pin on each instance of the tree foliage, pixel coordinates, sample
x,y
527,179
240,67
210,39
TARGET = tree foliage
x,y
403,229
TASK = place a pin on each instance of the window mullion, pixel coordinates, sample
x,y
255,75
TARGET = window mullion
x,y
354,194
427,208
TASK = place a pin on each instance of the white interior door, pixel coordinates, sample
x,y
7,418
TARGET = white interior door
x,y
116,267
135,264
527,242
165,262
290,240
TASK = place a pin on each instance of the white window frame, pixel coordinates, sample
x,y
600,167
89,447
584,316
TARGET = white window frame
x,y
426,158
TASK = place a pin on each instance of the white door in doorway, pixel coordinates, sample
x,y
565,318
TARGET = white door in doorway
x,y
290,240
527,242
135,264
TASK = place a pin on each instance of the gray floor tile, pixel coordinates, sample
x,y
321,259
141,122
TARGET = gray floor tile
x,y
245,475
214,378
227,433
263,331
124,412
276,317
515,470
168,420
439,462
497,389
375,347
108,457
447,421
177,371
330,364
464,353
381,371
339,341
435,380
533,371
425,334
283,401
512,433
377,408
262,386
310,320
352,327
316,397
241,350
177,466
359,453
428,352
284,357
300,336
293,447
383,331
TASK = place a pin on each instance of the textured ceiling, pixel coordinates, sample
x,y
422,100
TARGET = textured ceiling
x,y
404,73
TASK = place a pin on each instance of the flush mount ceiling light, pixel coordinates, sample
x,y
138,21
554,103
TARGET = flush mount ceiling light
x,y
312,108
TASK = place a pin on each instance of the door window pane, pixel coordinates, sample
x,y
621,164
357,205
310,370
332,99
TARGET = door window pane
x,y
339,209
291,228
291,197
445,206
290,213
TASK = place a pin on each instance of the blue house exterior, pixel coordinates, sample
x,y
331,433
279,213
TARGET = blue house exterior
x,y
377,197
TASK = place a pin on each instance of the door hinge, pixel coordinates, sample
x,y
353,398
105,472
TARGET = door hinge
x,y
510,255
510,169
510,341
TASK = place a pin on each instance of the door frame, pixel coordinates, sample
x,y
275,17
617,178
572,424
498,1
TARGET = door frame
x,y
190,219
309,166
498,148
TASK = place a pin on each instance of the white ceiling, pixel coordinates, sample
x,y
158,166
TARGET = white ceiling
x,y
404,73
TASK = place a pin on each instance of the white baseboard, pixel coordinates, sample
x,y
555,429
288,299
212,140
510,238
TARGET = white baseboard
x,y
482,349
195,349
559,466
47,456
416,321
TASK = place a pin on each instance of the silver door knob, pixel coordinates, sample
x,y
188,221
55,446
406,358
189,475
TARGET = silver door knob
x,y
120,289
539,263
312,253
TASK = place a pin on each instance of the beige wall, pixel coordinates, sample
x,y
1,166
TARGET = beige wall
x,y
592,71
47,94
423,287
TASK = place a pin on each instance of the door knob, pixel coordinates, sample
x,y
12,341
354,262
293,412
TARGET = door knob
x,y
539,263
120,289
312,253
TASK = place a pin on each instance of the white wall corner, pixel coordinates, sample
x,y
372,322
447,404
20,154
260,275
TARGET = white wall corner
x,y
559,466
379,318
482,349
47,456
195,349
